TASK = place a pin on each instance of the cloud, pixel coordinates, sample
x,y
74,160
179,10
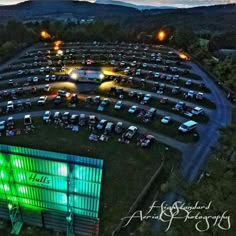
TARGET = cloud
x,y
180,3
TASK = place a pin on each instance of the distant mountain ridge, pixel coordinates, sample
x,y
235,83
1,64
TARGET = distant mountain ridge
x,y
140,7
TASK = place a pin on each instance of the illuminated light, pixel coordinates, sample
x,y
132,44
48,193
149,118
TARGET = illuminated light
x,y
21,176
183,56
74,76
102,76
10,206
45,34
23,189
58,43
161,35
56,48
60,52
2,175
63,170
18,163
106,85
26,201
6,187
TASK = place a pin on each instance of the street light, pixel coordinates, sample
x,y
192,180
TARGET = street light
x,y
161,35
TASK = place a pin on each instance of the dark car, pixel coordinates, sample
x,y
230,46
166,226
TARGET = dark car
x,y
74,119
58,100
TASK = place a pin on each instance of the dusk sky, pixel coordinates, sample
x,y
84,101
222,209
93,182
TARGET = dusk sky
x,y
177,3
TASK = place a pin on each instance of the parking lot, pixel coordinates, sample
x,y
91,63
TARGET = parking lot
x,y
150,102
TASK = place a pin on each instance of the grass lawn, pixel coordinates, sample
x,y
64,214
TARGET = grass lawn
x,y
126,167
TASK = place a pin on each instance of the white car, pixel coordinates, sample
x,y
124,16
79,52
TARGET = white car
x,y
132,109
166,120
35,79
197,111
157,75
190,94
10,105
42,69
47,78
118,105
42,100
47,88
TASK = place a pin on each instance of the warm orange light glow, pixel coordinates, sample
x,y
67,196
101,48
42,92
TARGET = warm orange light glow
x,y
58,43
56,48
183,56
45,35
161,35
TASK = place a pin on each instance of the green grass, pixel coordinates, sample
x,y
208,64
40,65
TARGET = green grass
x,y
126,168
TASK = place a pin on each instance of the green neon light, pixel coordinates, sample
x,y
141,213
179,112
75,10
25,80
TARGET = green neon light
x,y
38,179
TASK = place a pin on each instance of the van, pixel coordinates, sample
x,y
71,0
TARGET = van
x,y
27,120
188,126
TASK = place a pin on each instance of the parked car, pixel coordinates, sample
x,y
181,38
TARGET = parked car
x,y
103,104
101,125
42,100
57,116
47,88
47,116
58,100
66,117
74,119
119,127
35,79
188,82
82,119
63,93
27,103
130,132
188,126
166,120
109,127
145,140
118,105
133,109
150,113
147,97
74,99
10,124
2,125
197,111
10,106
27,120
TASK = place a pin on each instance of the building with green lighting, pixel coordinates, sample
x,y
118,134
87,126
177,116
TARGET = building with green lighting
x,y
51,190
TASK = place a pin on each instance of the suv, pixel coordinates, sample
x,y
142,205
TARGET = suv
x,y
27,120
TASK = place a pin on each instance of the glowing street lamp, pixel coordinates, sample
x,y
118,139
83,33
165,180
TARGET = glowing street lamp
x,y
161,35
45,35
